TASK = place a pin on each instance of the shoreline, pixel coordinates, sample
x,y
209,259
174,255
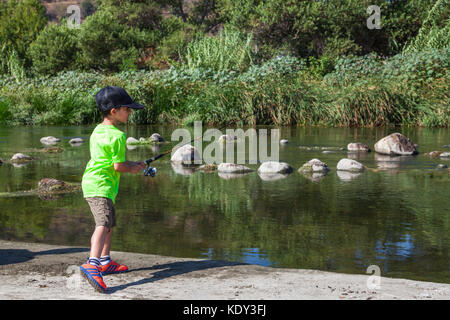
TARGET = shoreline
x,y
50,272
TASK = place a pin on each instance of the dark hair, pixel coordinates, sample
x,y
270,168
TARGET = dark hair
x,y
106,113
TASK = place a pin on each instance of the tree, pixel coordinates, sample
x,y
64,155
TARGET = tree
x,y
54,49
106,44
20,23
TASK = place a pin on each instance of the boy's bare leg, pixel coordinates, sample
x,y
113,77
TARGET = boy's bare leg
x,y
98,241
107,242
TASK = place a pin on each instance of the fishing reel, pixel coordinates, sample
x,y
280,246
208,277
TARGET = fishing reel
x,y
150,171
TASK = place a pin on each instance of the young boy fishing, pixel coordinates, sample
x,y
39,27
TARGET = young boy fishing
x,y
100,181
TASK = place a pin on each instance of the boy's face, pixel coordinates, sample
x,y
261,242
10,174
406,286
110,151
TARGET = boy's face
x,y
121,114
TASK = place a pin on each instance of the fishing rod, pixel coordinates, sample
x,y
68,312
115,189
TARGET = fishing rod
x,y
150,171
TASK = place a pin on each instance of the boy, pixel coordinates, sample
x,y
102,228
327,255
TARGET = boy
x,y
100,181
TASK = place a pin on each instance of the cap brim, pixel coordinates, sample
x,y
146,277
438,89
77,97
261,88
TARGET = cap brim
x,y
134,105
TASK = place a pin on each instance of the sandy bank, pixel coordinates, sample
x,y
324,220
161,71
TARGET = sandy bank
x,y
51,272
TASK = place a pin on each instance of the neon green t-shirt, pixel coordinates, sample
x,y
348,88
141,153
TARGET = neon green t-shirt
x,y
107,146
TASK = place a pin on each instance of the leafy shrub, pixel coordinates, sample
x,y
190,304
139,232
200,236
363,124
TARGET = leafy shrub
x,y
54,50
20,23
105,43
4,110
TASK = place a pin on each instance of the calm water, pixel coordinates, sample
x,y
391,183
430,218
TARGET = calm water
x,y
398,218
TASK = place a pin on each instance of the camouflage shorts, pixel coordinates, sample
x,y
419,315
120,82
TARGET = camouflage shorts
x,y
103,211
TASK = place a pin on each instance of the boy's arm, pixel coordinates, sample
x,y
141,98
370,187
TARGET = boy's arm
x,y
130,166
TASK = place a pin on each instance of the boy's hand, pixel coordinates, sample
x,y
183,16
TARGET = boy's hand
x,y
138,167
130,166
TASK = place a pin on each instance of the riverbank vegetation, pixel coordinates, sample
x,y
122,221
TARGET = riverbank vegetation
x,y
246,61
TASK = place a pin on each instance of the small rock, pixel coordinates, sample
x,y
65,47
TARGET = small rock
x,y
131,140
142,139
284,141
207,167
434,154
49,140
76,140
350,165
20,157
50,184
442,166
445,154
227,138
233,168
52,150
314,165
358,146
156,137
447,146
275,167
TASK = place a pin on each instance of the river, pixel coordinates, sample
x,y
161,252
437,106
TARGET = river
x,y
397,218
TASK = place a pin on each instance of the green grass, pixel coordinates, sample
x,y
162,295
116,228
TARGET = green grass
x,y
405,90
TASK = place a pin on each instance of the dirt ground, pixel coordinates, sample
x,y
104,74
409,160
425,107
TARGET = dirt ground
x,y
39,271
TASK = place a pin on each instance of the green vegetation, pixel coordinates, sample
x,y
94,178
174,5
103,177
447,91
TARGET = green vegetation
x,y
284,62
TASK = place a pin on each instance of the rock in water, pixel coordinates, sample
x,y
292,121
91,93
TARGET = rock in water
x,y
49,140
156,137
227,138
233,168
396,144
434,154
131,140
314,165
350,165
20,157
76,141
284,141
275,167
186,155
51,185
208,167
358,146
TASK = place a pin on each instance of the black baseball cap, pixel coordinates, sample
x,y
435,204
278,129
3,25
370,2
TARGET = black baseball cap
x,y
115,97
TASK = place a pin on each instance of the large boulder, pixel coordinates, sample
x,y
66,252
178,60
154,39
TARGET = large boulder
x,y
396,144
270,167
49,140
350,165
186,155
314,165
233,168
